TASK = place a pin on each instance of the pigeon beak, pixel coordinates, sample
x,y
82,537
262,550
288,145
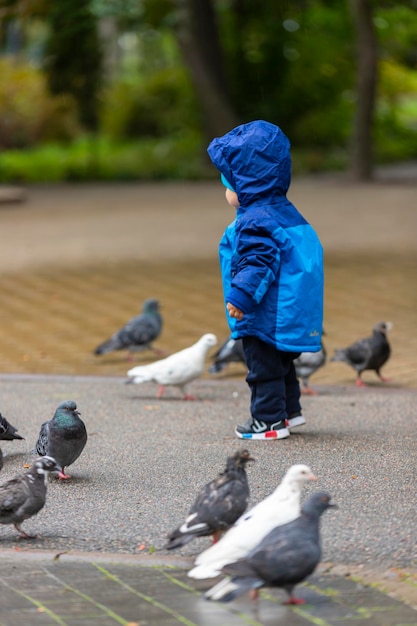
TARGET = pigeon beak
x,y
389,325
312,477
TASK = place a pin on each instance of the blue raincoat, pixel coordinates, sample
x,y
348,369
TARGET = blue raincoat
x,y
271,258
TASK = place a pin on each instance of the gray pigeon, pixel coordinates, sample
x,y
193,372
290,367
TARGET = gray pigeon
x,y
231,351
63,437
138,333
370,353
218,505
7,431
24,496
306,365
284,558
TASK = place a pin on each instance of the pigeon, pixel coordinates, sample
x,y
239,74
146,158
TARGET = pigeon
x,y
284,558
231,351
63,437
370,353
138,333
177,369
218,505
7,431
24,496
308,363
281,507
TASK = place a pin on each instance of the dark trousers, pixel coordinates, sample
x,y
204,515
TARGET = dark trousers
x,y
275,390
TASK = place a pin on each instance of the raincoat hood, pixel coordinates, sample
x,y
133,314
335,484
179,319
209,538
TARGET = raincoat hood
x,y
255,158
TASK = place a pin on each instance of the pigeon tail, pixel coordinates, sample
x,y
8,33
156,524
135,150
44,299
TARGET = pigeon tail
x,y
230,588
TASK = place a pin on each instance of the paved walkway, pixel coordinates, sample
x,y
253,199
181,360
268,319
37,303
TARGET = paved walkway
x,y
74,591
139,474
146,457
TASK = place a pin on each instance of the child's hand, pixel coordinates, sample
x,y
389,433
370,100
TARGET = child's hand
x,y
234,312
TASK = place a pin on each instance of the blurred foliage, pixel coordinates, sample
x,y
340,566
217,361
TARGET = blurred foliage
x,y
73,58
28,113
91,158
292,63
162,104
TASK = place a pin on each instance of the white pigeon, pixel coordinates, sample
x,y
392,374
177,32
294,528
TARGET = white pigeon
x,y
177,369
281,507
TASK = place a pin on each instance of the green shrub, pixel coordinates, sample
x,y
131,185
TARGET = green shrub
x,y
28,114
102,159
160,104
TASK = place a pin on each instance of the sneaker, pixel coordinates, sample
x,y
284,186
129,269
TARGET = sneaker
x,y
294,420
256,429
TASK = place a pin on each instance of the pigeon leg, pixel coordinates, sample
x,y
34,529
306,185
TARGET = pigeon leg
x,y
359,382
161,390
307,390
293,600
187,396
159,351
215,536
254,595
62,475
24,535
383,378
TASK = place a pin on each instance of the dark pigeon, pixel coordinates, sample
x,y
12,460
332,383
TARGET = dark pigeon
x,y
63,437
25,495
284,558
7,431
218,505
306,365
370,353
138,333
231,351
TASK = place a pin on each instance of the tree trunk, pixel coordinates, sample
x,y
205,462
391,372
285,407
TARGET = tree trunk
x,y
366,49
200,45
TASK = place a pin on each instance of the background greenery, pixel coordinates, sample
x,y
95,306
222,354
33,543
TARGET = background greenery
x,y
104,90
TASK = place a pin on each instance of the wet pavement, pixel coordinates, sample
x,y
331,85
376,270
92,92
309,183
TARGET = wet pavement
x,y
95,590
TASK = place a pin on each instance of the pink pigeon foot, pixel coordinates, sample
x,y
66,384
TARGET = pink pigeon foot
x,y
308,391
294,600
161,390
360,383
63,476
24,535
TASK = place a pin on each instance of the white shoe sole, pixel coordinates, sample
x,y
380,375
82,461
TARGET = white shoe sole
x,y
269,435
296,421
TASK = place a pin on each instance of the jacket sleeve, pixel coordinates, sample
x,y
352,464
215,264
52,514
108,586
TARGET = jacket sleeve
x,y
258,261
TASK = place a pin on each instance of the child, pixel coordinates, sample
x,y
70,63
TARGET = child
x,y
272,271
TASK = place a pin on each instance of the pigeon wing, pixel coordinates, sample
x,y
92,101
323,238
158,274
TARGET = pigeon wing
x,y
360,352
42,444
13,495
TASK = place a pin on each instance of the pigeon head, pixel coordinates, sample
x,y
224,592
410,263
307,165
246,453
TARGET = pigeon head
x,y
68,405
209,339
241,457
46,464
299,474
151,305
317,504
42,467
383,327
